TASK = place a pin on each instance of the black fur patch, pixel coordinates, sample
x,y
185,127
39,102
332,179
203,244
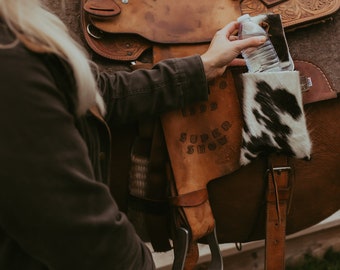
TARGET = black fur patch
x,y
272,103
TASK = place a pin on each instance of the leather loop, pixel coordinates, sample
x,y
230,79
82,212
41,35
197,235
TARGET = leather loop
x,y
119,47
272,3
284,195
102,8
190,199
278,196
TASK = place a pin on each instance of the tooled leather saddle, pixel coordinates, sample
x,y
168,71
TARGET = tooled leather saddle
x,y
124,31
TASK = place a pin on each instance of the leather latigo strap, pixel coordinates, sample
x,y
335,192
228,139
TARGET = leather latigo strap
x,y
294,13
279,190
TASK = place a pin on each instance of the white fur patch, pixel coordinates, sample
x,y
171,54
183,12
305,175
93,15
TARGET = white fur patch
x,y
273,115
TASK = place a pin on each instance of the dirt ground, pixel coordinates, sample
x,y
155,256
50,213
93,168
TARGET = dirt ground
x,y
316,43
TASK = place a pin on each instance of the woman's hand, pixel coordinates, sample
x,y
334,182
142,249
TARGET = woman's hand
x,y
224,48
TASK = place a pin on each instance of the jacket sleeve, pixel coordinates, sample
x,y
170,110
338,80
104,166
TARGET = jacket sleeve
x,y
169,85
50,204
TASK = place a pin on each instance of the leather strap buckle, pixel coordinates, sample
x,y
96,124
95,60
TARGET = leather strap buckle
x,y
279,177
279,190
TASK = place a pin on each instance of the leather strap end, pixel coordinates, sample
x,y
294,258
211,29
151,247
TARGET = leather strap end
x,y
102,8
190,199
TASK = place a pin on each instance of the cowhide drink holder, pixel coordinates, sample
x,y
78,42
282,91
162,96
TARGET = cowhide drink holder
x,y
273,115
274,119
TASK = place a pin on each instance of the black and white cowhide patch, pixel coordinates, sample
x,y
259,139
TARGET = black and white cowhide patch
x,y
274,119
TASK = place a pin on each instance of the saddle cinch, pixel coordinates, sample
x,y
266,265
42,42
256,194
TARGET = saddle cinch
x,y
203,142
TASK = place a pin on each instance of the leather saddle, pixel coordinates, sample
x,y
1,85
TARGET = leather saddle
x,y
206,135
123,30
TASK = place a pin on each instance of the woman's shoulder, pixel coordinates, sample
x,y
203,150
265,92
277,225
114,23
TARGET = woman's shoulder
x,y
26,73
21,71
16,60
20,65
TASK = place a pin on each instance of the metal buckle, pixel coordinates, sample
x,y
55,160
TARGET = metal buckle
x,y
305,83
90,29
278,170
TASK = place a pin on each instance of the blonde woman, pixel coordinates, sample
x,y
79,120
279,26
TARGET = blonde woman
x,y
56,211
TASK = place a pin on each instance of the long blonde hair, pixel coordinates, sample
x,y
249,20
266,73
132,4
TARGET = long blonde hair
x,y
42,31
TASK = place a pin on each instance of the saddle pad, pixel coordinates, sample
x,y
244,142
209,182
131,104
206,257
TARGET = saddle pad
x,y
164,21
294,13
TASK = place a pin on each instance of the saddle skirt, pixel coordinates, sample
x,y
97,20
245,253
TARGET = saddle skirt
x,y
163,21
